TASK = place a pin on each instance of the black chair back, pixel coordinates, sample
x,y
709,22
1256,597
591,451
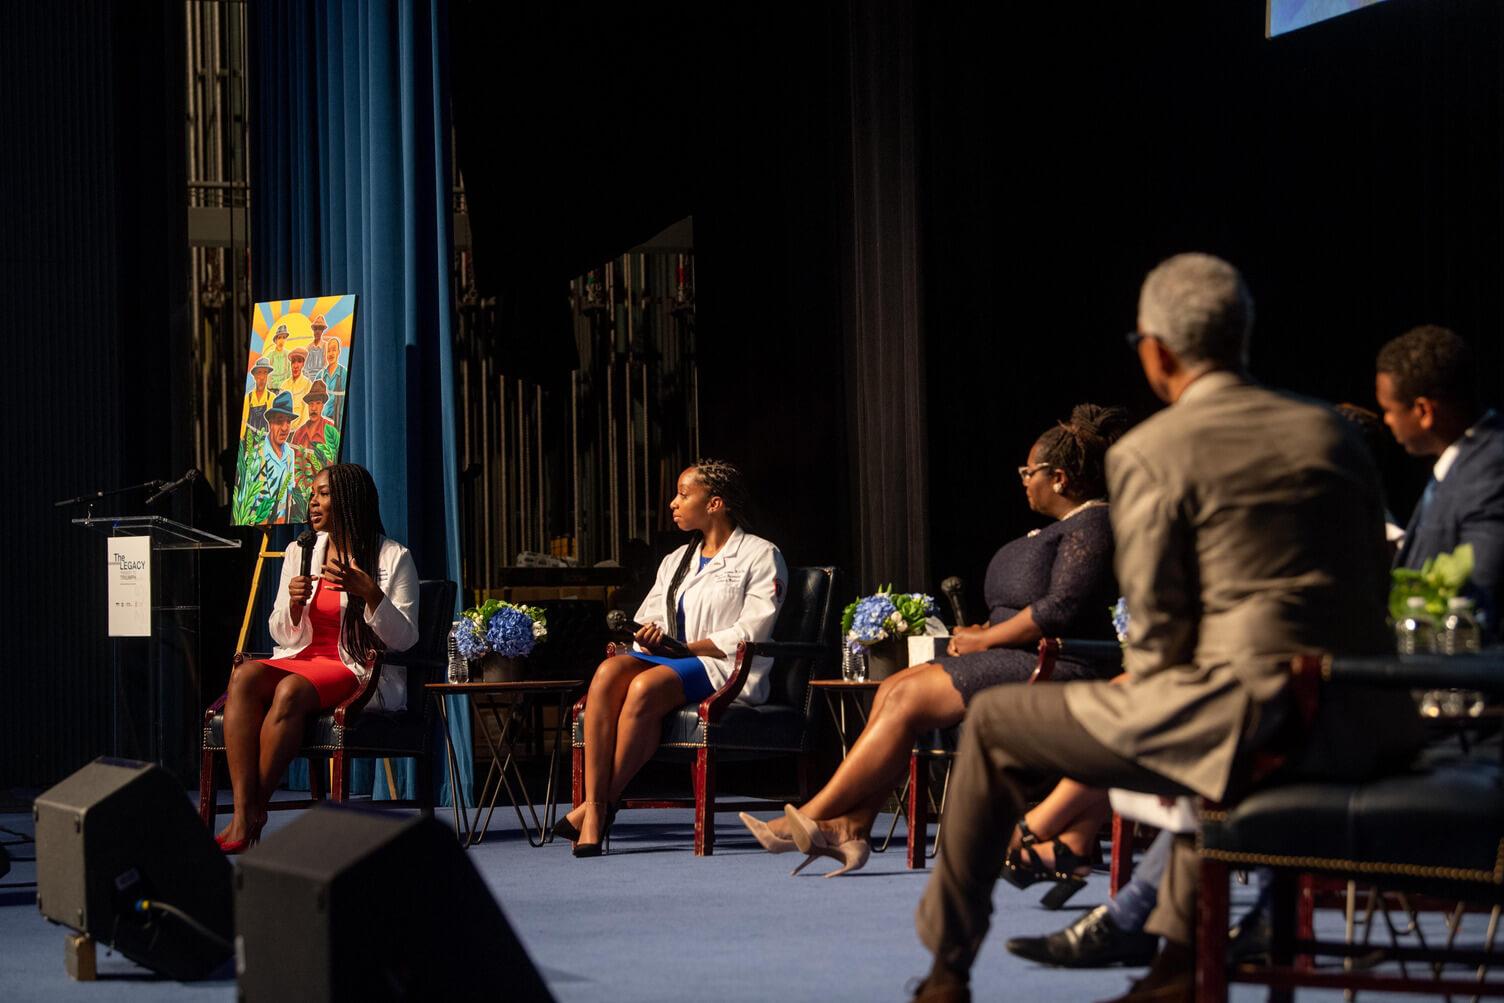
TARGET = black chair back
x,y
428,659
809,614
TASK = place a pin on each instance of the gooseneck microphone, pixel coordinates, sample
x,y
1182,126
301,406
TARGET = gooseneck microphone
x,y
617,620
169,488
952,587
306,540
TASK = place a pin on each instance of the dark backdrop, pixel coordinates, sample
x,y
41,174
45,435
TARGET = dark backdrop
x,y
93,260
1352,170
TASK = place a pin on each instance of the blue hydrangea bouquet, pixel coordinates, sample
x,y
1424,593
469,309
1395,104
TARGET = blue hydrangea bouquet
x,y
885,614
1119,611
508,629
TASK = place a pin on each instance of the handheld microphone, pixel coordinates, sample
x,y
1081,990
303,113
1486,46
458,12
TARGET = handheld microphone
x,y
617,620
952,587
306,540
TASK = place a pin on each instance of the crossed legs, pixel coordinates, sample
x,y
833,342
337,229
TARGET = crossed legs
x,y
629,699
266,710
1015,738
907,704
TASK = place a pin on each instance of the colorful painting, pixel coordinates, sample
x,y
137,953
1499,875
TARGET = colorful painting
x,y
297,376
1287,15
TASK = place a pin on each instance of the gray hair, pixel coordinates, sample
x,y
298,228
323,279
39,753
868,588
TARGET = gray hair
x,y
1200,308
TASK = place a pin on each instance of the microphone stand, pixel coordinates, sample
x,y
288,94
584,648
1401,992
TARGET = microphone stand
x,y
92,497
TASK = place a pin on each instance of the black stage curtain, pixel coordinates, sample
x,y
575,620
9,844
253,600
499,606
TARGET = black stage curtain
x,y
981,189
93,258
882,296
1352,170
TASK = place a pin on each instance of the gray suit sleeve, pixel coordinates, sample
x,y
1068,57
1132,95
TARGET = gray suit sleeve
x,y
1155,561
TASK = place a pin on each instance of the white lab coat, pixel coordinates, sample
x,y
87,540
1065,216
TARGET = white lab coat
x,y
734,598
394,620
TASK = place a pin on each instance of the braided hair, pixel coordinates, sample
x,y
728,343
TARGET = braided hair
x,y
1078,446
356,531
722,480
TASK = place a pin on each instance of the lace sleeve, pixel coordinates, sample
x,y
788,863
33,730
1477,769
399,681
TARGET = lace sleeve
x,y
1079,578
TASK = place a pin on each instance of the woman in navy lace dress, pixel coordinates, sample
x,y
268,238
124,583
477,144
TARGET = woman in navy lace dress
x,y
1055,582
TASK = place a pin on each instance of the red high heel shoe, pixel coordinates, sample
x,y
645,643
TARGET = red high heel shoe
x,y
231,847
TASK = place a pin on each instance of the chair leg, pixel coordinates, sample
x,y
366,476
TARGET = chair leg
x,y
1211,933
577,778
1305,917
340,781
317,788
207,795
425,785
1284,909
919,811
704,802
1121,870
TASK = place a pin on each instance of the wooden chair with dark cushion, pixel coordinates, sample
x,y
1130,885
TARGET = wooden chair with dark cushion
x,y
805,646
1434,833
349,730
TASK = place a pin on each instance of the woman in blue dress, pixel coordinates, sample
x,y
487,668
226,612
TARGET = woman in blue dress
x,y
1055,582
721,588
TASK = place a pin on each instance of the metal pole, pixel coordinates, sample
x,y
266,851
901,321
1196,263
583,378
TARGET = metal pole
x,y
574,445
505,510
487,512
542,491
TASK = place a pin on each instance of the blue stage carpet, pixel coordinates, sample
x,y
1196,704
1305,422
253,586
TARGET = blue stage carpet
x,y
652,922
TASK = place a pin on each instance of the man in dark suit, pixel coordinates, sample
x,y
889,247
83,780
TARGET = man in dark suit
x,y
1427,385
1248,528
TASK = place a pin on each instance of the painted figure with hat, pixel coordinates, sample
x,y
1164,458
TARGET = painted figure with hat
x,y
253,414
335,376
316,350
318,433
281,368
297,383
276,474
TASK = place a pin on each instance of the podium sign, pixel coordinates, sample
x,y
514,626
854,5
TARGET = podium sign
x,y
129,560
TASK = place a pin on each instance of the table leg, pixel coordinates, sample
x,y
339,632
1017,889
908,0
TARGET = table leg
x,y
454,788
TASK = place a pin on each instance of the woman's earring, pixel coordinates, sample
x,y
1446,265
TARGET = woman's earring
x,y
1056,486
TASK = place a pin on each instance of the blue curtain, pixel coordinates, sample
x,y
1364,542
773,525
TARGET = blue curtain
x,y
351,194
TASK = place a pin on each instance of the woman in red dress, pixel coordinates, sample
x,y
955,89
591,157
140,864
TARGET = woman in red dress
x,y
361,596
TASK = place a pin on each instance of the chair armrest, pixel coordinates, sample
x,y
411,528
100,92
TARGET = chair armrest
x,y
1050,648
713,706
1483,671
349,709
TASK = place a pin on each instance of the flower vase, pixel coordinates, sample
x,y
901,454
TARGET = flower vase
x,y
496,668
886,657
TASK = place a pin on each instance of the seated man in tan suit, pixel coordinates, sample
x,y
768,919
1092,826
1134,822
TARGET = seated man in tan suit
x,y
1249,528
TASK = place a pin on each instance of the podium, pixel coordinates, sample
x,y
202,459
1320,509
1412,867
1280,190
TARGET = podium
x,y
155,705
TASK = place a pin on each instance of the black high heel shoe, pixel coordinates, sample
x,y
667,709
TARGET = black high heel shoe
x,y
1021,873
595,849
563,829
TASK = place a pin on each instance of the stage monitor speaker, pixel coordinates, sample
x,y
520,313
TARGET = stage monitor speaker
x,y
356,904
116,833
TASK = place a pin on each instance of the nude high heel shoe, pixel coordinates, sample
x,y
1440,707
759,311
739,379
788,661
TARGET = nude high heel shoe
x,y
852,854
771,841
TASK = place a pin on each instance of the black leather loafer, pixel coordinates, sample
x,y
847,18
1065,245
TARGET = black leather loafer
x,y
1093,941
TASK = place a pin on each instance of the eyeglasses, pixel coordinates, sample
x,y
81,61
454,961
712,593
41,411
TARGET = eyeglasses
x,y
1024,473
1134,337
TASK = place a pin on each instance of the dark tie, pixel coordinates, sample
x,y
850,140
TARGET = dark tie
x,y
1425,500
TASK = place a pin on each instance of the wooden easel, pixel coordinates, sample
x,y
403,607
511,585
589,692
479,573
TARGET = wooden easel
x,y
250,602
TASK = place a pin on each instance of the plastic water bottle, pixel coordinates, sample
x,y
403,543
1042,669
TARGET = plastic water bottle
x,y
459,669
1460,633
1415,634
